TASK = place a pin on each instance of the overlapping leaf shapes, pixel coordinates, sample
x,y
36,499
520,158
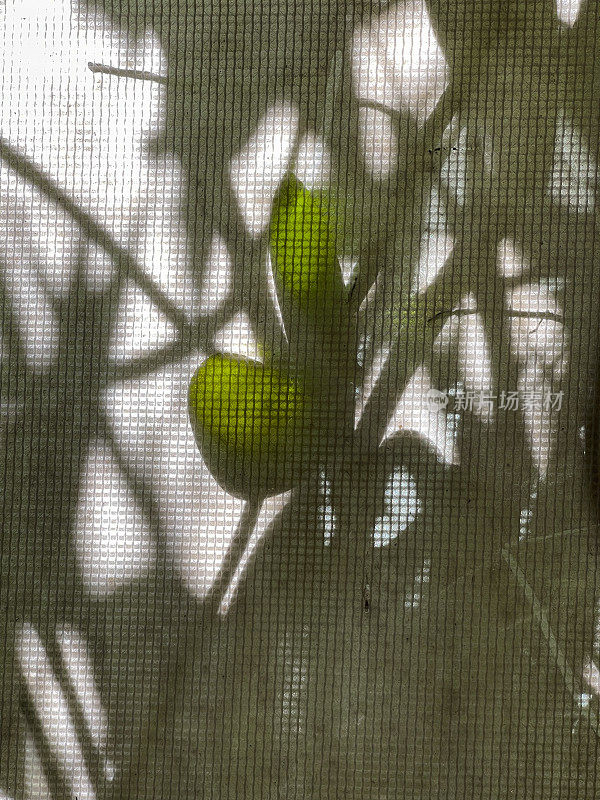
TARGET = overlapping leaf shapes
x,y
259,426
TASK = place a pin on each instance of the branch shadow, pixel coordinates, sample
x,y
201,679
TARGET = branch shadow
x,y
219,83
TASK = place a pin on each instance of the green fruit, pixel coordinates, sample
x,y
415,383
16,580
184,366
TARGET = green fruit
x,y
252,424
314,303
307,273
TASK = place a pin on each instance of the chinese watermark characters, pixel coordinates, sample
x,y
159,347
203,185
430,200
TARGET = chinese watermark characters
x,y
486,401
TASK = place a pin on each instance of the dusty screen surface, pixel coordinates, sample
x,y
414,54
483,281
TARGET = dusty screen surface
x,y
299,400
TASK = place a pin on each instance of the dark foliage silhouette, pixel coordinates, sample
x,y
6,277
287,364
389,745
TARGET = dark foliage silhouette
x,y
328,676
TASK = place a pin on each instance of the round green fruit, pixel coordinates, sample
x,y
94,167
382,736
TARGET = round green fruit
x,y
252,424
303,248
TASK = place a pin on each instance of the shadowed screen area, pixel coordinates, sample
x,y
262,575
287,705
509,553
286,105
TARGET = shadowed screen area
x,y
299,400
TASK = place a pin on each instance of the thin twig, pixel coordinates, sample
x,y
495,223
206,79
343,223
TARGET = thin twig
x,y
541,617
464,312
120,255
92,756
135,74
403,358
139,485
52,769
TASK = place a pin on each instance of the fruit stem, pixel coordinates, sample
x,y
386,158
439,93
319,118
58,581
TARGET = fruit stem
x,y
233,556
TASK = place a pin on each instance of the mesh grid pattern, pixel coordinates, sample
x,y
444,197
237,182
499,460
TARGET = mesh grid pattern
x,y
417,616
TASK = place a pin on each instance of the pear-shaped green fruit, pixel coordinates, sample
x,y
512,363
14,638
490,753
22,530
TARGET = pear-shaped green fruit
x,y
313,300
252,424
306,270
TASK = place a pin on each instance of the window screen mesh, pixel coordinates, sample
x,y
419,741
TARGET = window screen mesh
x,y
362,563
